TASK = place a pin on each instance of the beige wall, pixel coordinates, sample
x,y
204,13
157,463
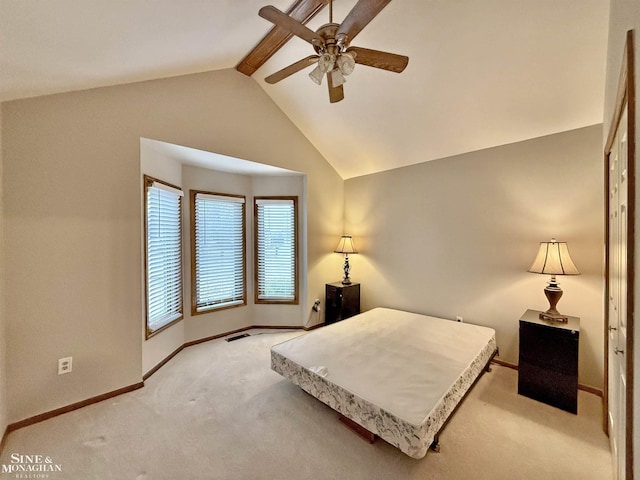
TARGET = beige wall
x,y
456,236
72,185
625,15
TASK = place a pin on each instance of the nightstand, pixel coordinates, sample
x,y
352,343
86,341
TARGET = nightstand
x,y
548,362
342,301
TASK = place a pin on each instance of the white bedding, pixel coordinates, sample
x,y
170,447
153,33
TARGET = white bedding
x,y
398,363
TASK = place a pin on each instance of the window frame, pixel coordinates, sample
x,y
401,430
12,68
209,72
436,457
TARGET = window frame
x,y
148,182
194,294
296,280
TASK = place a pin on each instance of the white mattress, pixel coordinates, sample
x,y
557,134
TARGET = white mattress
x,y
399,364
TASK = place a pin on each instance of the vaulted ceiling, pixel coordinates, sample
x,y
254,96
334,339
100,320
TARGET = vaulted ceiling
x,y
480,74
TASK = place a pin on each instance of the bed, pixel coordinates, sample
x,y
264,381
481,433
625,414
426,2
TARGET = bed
x,y
399,375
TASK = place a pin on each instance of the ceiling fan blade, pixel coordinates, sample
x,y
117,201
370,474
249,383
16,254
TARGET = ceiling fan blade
x,y
379,59
301,10
291,69
283,20
359,17
335,93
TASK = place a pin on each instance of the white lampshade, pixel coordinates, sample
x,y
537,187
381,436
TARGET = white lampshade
x,y
346,245
553,259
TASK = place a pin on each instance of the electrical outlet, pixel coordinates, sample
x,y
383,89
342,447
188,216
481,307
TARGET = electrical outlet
x,y
65,365
459,319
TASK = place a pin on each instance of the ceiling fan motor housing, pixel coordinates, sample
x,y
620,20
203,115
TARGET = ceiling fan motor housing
x,y
330,44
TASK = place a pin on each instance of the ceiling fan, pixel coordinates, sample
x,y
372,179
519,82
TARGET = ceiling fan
x,y
335,58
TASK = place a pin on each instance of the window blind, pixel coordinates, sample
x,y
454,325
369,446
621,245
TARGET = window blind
x,y
276,249
164,255
219,251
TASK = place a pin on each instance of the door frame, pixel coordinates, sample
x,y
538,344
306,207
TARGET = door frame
x,y
625,97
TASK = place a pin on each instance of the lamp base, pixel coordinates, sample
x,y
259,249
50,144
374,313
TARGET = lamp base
x,y
553,317
346,280
553,292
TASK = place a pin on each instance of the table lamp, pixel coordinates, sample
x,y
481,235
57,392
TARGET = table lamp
x,y
553,259
346,246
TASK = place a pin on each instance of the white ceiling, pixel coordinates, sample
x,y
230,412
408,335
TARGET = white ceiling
x,y
480,74
211,160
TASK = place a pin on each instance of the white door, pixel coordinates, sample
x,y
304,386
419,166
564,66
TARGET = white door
x,y
617,301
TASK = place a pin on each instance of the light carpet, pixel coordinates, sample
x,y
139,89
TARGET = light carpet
x,y
217,411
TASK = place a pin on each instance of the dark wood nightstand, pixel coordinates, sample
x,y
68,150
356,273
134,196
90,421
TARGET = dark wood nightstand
x,y
342,301
548,362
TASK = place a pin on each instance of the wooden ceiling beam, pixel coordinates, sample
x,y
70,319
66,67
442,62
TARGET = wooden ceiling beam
x,y
302,11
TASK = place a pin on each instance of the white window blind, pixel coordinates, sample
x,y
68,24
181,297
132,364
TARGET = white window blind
x,y
164,255
276,250
219,251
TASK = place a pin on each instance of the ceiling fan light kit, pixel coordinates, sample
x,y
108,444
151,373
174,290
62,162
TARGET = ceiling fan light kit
x,y
346,62
338,68
316,75
334,57
337,78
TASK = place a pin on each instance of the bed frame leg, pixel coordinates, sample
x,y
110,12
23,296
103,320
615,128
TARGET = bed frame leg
x,y
435,445
487,367
358,429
